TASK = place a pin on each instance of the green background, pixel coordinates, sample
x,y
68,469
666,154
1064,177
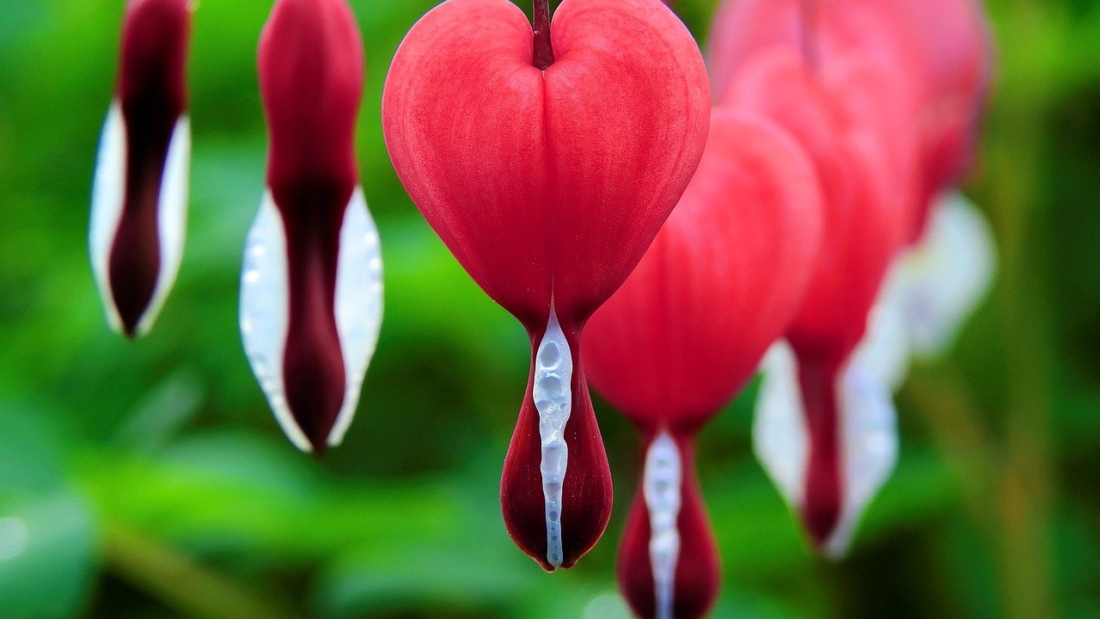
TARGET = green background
x,y
149,480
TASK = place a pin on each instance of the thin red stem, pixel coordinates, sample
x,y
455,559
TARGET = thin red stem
x,y
544,50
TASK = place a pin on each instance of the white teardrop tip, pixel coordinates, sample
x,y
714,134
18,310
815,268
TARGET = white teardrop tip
x,y
868,441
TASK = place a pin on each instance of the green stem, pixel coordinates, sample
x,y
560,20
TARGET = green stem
x,y
953,417
178,581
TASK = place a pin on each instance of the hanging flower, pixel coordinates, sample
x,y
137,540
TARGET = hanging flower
x,y
942,50
139,198
951,259
546,160
311,290
848,114
671,348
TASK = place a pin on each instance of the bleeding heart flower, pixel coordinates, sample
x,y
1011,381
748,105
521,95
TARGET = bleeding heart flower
x,y
311,290
947,45
825,426
941,48
139,201
671,348
842,114
546,160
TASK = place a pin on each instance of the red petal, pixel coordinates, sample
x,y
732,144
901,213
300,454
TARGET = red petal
x,y
863,179
555,180
720,283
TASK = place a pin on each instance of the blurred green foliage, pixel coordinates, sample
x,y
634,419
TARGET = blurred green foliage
x,y
149,480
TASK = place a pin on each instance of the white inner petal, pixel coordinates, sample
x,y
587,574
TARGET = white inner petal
x,y
108,191
869,447
264,312
885,348
171,219
868,442
662,485
358,303
947,274
553,397
780,437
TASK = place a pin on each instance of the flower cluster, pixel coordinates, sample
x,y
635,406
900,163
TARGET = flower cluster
x,y
659,232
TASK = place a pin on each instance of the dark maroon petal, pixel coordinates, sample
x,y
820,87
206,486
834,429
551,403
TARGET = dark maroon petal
x,y
313,363
152,95
821,510
587,489
698,573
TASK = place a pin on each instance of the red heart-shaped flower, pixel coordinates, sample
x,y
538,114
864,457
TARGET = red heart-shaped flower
x,y
719,284
548,185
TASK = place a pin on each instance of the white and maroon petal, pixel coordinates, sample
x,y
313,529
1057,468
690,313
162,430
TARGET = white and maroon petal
x,y
109,195
866,441
171,219
263,312
265,303
870,448
358,303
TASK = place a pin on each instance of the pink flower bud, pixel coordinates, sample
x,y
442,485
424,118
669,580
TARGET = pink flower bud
x,y
311,288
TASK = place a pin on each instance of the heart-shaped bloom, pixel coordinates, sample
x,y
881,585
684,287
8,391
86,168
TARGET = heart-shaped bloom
x,y
845,114
671,348
311,289
825,427
946,45
139,199
547,163
941,48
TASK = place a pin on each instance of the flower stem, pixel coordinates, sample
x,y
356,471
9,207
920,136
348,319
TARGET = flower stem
x,y
179,582
544,50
